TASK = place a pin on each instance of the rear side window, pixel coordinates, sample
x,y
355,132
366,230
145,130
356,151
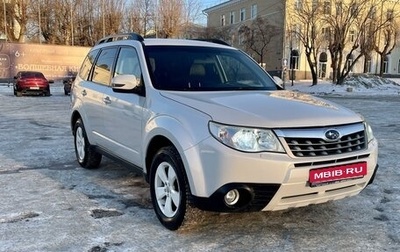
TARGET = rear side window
x,y
87,65
103,66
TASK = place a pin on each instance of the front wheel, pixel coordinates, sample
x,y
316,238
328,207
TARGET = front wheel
x,y
168,187
87,157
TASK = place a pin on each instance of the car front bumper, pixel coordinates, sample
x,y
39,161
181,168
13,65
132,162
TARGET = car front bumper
x,y
268,181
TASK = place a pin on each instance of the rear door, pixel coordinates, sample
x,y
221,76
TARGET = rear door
x,y
92,90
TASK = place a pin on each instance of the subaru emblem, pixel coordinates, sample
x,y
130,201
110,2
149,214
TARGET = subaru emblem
x,y
332,135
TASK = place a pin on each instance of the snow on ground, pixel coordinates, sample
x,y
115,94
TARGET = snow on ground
x,y
355,85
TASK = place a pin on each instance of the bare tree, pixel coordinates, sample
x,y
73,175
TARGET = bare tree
x,y
258,36
139,17
388,38
170,18
83,20
306,25
221,33
14,15
353,25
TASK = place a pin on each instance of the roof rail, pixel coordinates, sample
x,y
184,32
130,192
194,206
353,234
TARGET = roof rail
x,y
122,36
216,41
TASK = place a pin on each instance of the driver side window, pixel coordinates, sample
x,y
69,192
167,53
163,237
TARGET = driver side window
x,y
128,62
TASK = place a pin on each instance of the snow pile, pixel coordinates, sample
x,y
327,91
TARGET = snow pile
x,y
361,84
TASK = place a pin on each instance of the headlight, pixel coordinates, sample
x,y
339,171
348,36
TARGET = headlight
x,y
246,139
368,130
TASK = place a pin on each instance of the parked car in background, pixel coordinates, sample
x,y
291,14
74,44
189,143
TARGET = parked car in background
x,y
67,84
31,83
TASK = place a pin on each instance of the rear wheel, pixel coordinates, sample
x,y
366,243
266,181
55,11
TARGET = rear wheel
x,y
87,157
168,187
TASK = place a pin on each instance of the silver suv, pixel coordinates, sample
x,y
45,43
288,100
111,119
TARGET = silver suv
x,y
207,126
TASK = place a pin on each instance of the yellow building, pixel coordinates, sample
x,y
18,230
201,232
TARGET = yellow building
x,y
286,53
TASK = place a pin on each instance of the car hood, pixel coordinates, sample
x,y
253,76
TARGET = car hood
x,y
271,109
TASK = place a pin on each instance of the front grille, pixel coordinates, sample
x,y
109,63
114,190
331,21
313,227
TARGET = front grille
x,y
314,147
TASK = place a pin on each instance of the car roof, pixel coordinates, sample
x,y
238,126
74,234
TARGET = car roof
x,y
181,42
169,42
32,72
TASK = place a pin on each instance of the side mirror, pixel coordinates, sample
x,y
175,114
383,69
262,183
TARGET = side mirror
x,y
279,82
125,82
51,81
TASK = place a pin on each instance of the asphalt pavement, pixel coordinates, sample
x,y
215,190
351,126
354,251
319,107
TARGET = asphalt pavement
x,y
49,203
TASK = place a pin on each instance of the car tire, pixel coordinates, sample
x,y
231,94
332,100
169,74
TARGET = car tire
x,y
85,154
168,187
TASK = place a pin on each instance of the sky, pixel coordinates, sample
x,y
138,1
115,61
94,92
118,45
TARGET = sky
x,y
207,4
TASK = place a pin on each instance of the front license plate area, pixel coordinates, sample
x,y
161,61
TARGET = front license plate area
x,y
334,174
34,88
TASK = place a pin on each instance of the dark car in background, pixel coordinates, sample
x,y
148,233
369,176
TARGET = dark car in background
x,y
31,83
68,84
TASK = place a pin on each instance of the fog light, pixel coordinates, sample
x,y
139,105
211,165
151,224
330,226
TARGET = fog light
x,y
232,197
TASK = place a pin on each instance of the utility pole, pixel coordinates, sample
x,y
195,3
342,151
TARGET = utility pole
x,y
104,22
5,20
40,25
72,27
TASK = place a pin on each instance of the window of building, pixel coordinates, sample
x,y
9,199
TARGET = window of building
x,y
352,35
298,5
326,32
323,59
386,64
354,9
254,11
223,20
242,14
314,5
367,64
349,63
327,8
241,38
398,67
372,12
294,59
232,17
339,8
389,15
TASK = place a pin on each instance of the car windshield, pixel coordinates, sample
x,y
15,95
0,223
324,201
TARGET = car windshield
x,y
187,68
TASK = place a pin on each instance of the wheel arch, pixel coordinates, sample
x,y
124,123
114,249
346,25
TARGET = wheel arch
x,y
183,135
74,117
156,143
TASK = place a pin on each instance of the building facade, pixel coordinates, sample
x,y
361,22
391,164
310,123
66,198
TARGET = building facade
x,y
286,54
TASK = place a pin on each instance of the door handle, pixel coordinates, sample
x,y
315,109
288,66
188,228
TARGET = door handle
x,y
107,100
